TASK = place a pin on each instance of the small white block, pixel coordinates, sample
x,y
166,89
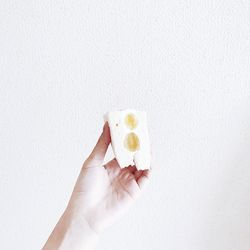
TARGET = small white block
x,y
129,137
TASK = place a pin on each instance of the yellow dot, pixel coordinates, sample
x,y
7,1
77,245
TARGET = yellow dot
x,y
131,121
132,142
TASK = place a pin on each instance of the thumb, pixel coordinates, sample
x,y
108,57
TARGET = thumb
x,y
98,153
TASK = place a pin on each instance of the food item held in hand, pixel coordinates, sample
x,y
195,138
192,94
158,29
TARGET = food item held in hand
x,y
129,137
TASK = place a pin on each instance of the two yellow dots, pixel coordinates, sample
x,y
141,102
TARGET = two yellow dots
x,y
131,141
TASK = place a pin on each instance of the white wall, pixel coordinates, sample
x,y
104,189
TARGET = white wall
x,y
64,63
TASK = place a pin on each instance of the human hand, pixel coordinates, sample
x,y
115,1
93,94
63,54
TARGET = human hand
x,y
102,194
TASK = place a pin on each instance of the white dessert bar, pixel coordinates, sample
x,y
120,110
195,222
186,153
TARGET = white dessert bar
x,y
129,137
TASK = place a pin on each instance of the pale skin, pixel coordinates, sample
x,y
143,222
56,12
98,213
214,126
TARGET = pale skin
x,y
102,194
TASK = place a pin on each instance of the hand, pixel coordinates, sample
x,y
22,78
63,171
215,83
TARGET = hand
x,y
102,194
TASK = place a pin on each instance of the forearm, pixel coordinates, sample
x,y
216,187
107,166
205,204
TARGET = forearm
x,y
71,232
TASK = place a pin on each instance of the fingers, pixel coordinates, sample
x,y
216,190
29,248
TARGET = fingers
x,y
112,168
131,169
98,153
142,178
111,164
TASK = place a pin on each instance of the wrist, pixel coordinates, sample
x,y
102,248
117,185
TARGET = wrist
x,y
72,232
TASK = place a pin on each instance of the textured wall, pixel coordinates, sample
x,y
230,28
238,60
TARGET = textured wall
x,y
64,63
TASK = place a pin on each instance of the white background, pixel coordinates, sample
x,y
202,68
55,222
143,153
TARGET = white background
x,y
187,63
